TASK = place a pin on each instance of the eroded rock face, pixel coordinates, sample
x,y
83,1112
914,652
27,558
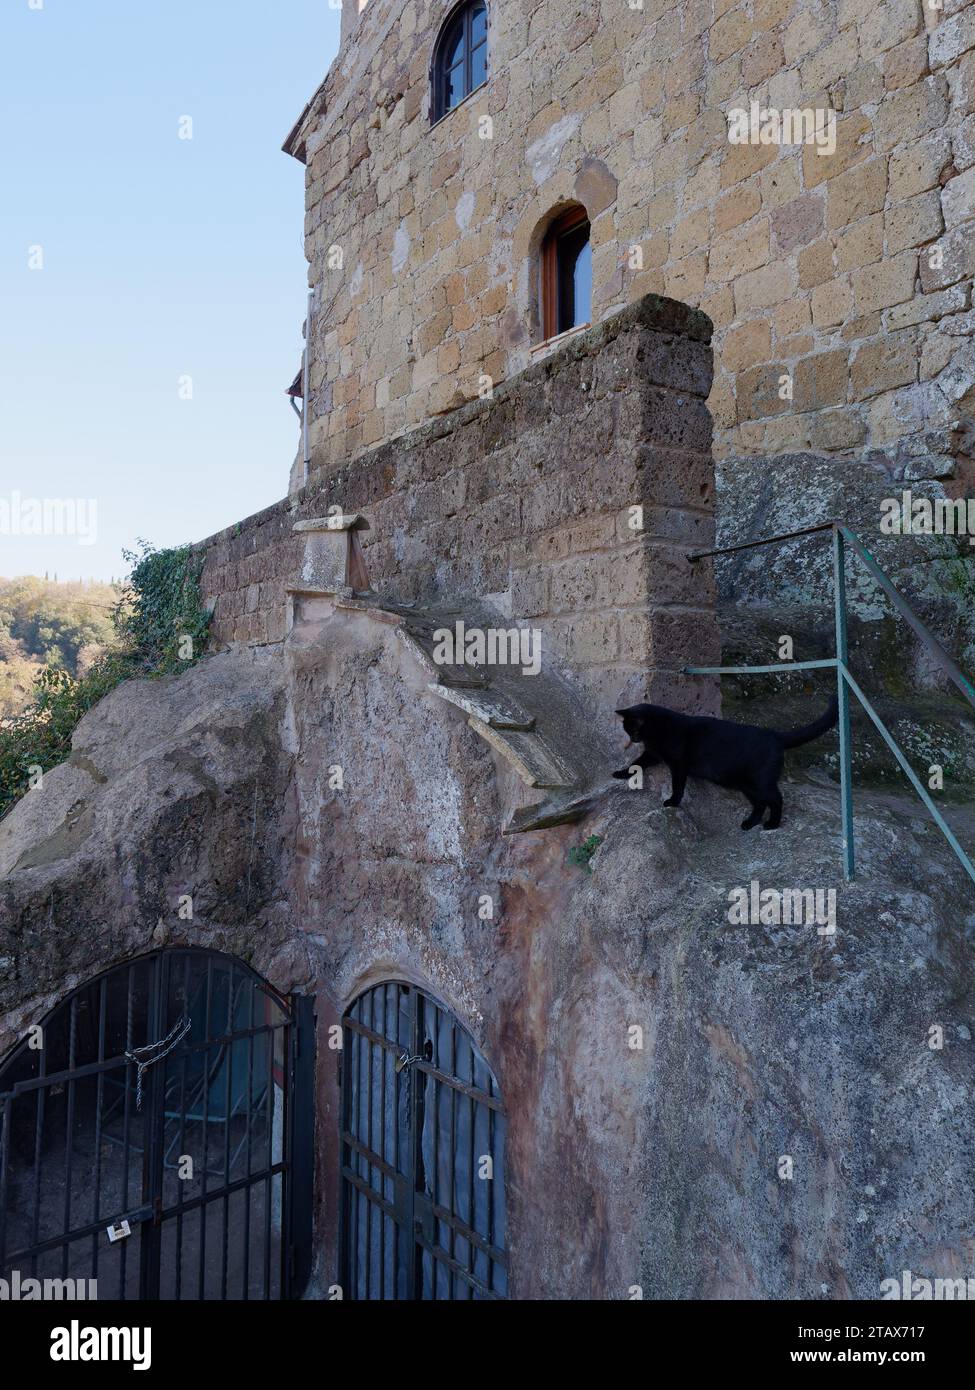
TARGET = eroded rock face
x,y
654,1165
174,787
933,572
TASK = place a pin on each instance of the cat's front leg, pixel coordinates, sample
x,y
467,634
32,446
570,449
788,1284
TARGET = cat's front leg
x,y
678,781
646,759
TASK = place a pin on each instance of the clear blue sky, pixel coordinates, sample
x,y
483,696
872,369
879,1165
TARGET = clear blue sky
x,y
163,258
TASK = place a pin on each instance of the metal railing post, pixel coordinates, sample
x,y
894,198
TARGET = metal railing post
x,y
843,702
912,777
951,668
846,683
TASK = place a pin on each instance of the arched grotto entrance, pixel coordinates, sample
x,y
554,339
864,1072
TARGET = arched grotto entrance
x,y
155,1136
423,1137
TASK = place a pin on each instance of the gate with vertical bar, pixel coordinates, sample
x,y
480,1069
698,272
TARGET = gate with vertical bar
x,y
155,1135
423,1133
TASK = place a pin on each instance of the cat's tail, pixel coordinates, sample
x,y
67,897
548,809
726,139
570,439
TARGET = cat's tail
x,y
794,737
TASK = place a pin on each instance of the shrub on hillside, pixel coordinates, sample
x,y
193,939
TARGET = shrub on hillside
x,y
159,626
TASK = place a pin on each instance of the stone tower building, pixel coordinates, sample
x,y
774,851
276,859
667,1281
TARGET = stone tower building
x,y
802,171
439,1009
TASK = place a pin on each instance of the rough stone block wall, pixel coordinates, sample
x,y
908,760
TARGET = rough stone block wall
x,y
849,272
530,499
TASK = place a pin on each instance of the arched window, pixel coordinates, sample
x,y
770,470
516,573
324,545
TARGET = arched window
x,y
423,1137
460,57
566,273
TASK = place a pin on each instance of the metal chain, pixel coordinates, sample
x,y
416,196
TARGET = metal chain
x,y
142,1062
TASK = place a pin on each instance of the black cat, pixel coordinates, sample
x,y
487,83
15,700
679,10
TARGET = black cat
x,y
742,757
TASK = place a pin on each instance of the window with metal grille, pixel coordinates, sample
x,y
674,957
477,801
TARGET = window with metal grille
x,y
423,1133
460,57
155,1135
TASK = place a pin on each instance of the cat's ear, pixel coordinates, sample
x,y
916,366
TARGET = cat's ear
x,y
622,713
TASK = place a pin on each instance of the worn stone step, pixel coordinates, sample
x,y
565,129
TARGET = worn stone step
x,y
530,756
487,704
532,722
421,643
556,809
463,677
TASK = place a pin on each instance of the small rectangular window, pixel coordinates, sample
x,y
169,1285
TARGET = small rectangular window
x,y
566,274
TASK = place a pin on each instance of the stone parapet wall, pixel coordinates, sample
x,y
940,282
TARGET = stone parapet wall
x,y
849,272
532,499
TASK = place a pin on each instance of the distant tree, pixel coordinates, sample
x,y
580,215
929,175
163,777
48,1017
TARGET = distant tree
x,y
42,623
76,642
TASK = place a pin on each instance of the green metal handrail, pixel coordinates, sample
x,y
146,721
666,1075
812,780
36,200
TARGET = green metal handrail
x,y
843,537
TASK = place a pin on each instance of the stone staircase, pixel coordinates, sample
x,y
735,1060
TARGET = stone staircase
x,y
533,721
538,724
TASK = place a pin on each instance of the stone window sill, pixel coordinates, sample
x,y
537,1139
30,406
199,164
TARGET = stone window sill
x,y
550,345
463,102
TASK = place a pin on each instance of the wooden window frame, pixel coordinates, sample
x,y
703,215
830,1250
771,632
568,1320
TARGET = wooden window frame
x,y
567,222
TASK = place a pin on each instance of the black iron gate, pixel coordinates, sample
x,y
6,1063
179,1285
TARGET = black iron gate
x,y
423,1130
155,1135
